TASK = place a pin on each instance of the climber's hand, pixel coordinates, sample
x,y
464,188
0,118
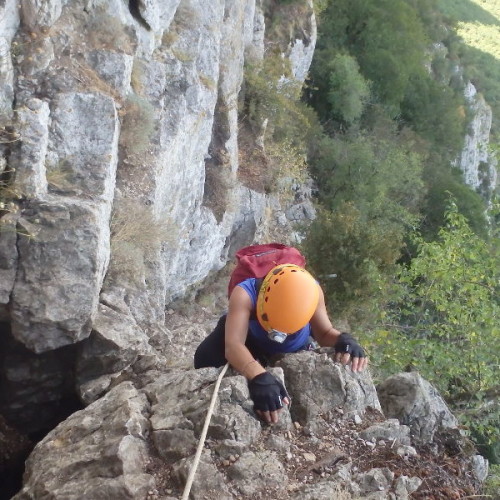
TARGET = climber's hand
x,y
268,396
348,350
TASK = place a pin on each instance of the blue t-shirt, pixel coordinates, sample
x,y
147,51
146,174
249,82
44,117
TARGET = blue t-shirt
x,y
293,342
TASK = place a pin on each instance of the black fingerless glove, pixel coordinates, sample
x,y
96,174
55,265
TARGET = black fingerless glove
x,y
267,392
347,344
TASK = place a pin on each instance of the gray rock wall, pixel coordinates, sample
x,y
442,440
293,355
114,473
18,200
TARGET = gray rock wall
x,y
476,160
122,114
120,148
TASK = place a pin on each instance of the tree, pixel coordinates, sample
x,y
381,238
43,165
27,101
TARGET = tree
x,y
435,112
348,90
444,317
370,191
386,38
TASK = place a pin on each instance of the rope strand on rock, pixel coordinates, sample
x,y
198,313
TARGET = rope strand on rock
x,y
194,466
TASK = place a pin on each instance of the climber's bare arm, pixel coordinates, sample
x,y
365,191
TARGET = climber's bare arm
x,y
238,316
327,336
239,357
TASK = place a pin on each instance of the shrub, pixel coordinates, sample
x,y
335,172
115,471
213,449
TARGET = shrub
x,y
348,90
277,128
360,252
442,320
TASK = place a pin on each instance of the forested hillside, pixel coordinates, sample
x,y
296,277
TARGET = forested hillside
x,y
415,254
407,252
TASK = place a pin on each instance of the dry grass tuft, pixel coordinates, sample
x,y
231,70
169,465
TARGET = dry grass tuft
x,y
138,124
90,80
136,233
136,224
106,32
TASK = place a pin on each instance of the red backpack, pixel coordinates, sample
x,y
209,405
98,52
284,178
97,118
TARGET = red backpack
x,y
256,261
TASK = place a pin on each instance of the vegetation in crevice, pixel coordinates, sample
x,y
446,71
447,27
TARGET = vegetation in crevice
x,y
136,233
219,178
278,128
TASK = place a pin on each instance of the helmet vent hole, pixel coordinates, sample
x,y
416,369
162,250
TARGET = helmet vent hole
x,y
266,299
293,270
268,288
276,281
264,317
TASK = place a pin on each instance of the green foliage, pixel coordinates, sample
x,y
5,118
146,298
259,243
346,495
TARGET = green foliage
x,y
370,190
280,123
385,84
356,250
443,319
348,90
341,87
453,284
435,112
444,183
478,26
270,94
386,38
288,20
378,176
484,424
492,484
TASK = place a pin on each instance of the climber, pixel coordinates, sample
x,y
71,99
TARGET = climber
x,y
266,317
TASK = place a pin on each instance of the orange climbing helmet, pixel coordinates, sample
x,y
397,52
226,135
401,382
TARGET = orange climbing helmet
x,y
286,301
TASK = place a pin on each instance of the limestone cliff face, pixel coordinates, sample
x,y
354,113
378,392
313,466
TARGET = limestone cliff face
x,y
116,109
476,160
120,151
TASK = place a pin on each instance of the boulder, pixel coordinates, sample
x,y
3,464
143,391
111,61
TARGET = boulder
x,y
180,403
60,272
480,467
260,473
374,481
318,385
404,486
98,452
417,404
389,430
208,481
115,344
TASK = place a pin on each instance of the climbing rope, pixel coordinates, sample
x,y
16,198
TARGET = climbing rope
x,y
194,466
